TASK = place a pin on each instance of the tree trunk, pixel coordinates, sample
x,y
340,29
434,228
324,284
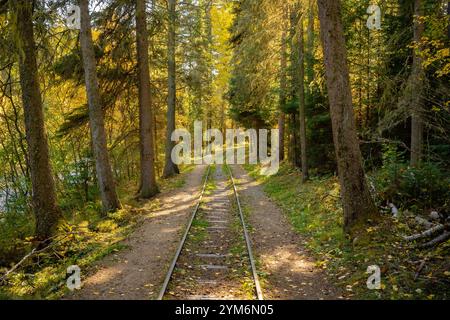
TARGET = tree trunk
x,y
356,200
416,89
44,200
283,87
105,178
301,101
171,168
281,138
309,57
448,18
146,119
209,35
295,80
223,118
293,141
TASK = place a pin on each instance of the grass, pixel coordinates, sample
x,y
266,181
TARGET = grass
x,y
239,252
198,231
239,248
211,183
315,212
84,238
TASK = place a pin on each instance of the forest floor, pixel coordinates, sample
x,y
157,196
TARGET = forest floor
x,y
314,211
288,270
296,233
138,272
100,245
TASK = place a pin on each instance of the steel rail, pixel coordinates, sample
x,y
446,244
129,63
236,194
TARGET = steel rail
x,y
183,240
247,240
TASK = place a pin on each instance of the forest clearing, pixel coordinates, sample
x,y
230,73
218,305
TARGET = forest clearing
x,y
224,150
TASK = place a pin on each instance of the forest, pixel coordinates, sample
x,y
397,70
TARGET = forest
x,y
92,91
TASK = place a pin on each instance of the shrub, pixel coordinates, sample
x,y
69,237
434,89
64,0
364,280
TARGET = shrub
x,y
15,228
424,187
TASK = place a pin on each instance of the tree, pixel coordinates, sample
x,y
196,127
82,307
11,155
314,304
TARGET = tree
x,y
448,18
283,84
171,168
415,88
301,99
44,199
105,177
146,118
356,199
294,85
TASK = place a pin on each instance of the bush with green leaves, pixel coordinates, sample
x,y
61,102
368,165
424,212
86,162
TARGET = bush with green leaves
x,y
415,188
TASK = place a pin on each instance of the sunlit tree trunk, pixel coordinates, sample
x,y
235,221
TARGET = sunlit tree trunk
x,y
44,200
146,119
356,199
105,177
171,168
209,78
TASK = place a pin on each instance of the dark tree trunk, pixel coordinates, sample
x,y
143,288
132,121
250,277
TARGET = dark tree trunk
x,y
44,200
105,177
448,18
146,119
301,101
171,168
295,80
283,86
415,89
356,200
309,57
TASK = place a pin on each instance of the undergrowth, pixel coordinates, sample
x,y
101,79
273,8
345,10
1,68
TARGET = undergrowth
x,y
84,237
315,211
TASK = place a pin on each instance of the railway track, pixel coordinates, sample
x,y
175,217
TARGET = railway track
x,y
214,260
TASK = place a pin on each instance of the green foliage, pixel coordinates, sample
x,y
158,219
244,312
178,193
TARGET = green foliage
x,y
315,212
424,187
15,228
253,86
84,238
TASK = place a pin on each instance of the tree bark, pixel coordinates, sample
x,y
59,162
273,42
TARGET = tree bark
x,y
146,120
356,200
301,101
416,84
44,202
171,168
283,87
309,57
105,177
295,80
448,18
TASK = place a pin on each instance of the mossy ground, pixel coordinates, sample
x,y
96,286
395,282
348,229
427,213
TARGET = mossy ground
x,y
315,212
83,238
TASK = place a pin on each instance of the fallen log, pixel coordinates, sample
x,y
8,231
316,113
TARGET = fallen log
x,y
419,269
426,233
424,222
441,238
34,252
